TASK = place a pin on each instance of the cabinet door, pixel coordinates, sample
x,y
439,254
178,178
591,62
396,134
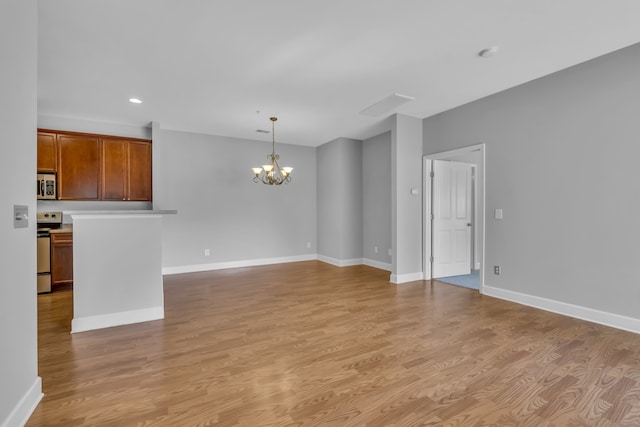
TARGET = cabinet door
x,y
47,157
61,258
139,171
114,169
78,167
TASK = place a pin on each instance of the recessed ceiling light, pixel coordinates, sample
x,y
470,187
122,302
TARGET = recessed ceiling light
x,y
489,52
135,100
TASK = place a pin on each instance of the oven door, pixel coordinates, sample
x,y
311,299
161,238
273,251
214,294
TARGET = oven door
x,y
44,258
44,263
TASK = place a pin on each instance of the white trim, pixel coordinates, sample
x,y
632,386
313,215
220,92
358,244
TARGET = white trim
x,y
166,271
596,316
456,152
427,167
88,323
235,264
404,278
340,262
427,207
377,264
25,407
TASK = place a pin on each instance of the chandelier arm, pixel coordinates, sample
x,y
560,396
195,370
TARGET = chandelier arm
x,y
276,165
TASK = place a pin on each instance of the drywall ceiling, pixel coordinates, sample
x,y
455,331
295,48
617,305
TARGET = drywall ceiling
x,y
223,67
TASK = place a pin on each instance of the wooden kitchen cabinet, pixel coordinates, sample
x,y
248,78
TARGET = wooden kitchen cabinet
x,y
78,167
96,167
139,171
113,180
62,259
47,152
126,169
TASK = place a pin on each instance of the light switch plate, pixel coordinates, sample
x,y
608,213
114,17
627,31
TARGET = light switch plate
x,y
498,214
20,216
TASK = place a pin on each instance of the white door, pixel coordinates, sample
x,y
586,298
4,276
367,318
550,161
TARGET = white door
x,y
451,218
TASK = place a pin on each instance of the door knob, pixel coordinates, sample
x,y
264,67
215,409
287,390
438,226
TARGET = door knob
x,y
468,224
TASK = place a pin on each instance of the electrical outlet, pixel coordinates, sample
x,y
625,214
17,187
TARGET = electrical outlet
x,y
497,270
390,252
375,249
207,252
308,245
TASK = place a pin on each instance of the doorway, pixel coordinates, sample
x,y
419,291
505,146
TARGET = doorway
x,y
454,216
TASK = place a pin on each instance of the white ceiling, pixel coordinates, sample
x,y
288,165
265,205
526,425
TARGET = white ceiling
x,y
209,66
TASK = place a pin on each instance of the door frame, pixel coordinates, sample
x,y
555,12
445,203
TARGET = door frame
x,y
479,205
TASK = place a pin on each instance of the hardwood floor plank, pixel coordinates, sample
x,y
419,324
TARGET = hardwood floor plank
x,y
312,344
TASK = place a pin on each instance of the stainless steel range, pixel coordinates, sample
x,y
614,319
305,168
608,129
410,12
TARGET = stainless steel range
x,y
47,221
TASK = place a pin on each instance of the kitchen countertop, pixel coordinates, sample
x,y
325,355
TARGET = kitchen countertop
x,y
69,215
66,228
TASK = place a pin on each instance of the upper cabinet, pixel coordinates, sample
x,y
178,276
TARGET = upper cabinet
x,y
96,167
78,167
139,170
113,180
126,170
47,153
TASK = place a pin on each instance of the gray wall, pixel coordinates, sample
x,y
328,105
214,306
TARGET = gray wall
x,y
339,182
406,208
208,179
18,115
561,160
376,198
93,126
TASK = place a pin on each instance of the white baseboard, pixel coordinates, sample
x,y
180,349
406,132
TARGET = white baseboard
x,y
404,278
340,262
25,407
235,264
266,261
89,323
376,264
596,316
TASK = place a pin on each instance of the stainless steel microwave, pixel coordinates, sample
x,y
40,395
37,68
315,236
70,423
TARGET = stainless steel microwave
x,y
46,186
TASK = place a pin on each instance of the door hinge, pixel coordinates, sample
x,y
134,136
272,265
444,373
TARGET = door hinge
x,y
431,259
431,174
432,217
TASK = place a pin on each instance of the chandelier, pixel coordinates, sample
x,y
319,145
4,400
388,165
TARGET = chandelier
x,y
272,173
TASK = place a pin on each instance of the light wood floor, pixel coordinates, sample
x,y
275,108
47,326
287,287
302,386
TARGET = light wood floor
x,y
311,344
